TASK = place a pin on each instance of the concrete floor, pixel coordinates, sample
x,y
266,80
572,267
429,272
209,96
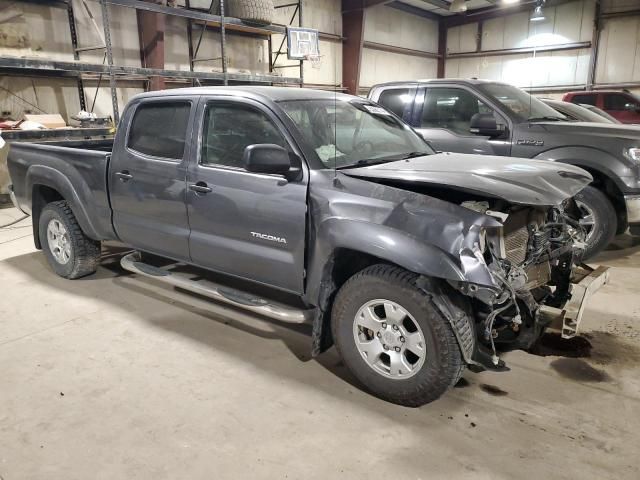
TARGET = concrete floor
x,y
115,377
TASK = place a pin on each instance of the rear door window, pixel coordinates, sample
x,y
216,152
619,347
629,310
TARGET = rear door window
x,y
397,100
159,129
585,98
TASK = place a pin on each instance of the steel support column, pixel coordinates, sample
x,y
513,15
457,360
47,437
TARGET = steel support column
x,y
112,77
595,44
442,49
353,12
151,27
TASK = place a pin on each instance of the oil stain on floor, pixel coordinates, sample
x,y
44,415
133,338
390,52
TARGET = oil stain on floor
x,y
579,370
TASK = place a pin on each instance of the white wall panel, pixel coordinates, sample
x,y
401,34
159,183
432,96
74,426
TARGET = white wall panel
x,y
526,70
618,5
323,15
619,53
329,71
516,30
462,39
387,67
493,34
394,27
566,23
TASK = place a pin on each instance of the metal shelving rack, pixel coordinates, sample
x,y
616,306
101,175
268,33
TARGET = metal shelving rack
x,y
195,18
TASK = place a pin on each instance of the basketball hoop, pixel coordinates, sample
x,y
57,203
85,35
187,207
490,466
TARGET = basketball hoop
x,y
315,60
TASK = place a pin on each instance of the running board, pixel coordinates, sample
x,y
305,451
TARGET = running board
x,y
243,300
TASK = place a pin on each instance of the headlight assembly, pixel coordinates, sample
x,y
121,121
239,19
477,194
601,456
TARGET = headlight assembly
x,y
632,153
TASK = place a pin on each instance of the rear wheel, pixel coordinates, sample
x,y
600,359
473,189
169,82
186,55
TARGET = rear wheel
x,y
70,253
393,339
598,219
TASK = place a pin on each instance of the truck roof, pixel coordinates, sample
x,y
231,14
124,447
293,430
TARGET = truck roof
x,y
469,81
274,94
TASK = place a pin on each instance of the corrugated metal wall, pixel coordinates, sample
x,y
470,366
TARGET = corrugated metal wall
x,y
399,29
619,52
565,24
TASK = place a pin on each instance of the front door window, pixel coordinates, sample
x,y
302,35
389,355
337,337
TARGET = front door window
x,y
451,109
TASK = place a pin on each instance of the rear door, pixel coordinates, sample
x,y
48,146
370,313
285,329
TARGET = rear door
x,y
442,115
147,176
246,224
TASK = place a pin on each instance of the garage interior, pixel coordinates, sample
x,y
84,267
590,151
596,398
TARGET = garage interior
x,y
117,376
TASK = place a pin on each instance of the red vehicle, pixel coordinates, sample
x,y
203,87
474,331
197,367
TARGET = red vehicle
x,y
623,106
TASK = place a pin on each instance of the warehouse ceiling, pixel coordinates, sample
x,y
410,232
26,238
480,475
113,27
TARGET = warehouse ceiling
x,y
443,7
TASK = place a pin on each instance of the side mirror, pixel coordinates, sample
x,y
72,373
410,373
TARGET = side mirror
x,y
485,124
266,158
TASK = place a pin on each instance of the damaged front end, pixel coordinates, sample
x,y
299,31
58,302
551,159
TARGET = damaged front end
x,y
538,280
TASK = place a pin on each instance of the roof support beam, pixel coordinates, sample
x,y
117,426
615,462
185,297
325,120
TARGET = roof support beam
x,y
404,7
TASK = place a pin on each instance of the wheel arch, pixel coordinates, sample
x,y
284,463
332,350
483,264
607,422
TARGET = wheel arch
x,y
603,167
41,196
49,185
607,186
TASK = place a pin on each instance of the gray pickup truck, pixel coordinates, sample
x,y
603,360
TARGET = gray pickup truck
x,y
309,206
492,118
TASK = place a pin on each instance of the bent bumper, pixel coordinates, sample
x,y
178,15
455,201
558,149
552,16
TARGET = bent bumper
x,y
585,283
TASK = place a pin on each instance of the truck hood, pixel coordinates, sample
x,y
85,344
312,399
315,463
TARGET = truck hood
x,y
593,131
516,180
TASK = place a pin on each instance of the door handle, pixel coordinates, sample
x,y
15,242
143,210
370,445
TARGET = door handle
x,y
124,175
200,187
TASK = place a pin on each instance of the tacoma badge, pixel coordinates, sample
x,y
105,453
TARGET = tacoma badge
x,y
271,238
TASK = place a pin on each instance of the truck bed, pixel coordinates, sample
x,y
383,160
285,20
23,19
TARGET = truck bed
x,y
78,166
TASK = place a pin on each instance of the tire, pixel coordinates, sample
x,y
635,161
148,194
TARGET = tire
x,y
428,379
592,201
255,11
66,241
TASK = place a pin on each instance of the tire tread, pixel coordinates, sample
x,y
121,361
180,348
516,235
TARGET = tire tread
x,y
452,365
86,250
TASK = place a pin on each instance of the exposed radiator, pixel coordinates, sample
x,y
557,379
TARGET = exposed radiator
x,y
515,245
516,234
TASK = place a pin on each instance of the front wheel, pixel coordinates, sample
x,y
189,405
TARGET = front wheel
x,y
598,219
393,339
70,253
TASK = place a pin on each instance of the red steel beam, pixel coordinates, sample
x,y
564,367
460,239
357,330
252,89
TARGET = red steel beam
x,y
151,28
353,13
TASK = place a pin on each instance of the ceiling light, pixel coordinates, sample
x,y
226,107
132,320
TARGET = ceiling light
x,y
458,6
510,2
537,15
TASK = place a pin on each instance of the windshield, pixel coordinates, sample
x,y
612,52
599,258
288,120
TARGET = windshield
x,y
355,132
525,106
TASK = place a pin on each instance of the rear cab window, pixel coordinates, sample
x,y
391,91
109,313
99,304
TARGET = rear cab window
x,y
587,99
398,100
159,129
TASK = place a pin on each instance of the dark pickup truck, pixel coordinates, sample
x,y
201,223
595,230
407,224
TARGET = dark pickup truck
x,y
307,206
492,118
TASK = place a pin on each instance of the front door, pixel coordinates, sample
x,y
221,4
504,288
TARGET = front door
x,y
622,106
246,224
147,176
445,117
